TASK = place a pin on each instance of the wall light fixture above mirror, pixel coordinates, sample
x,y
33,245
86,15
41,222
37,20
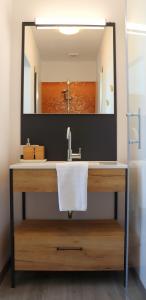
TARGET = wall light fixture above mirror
x,y
68,69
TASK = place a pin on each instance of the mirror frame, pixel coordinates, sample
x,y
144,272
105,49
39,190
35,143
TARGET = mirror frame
x,y
111,24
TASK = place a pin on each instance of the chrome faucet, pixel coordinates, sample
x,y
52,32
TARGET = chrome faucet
x,y
70,155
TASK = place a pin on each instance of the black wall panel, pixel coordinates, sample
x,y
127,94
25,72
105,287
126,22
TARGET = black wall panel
x,y
95,134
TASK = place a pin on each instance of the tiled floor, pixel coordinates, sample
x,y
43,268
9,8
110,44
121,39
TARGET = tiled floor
x,y
71,286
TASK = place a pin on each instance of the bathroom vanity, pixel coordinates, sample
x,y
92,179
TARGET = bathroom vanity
x,y
70,245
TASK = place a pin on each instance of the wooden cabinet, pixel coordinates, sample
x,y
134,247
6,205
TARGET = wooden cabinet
x,y
67,245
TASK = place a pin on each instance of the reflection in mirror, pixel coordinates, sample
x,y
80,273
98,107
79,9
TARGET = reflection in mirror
x,y
68,72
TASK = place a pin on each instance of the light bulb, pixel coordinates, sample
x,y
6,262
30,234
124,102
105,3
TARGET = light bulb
x,y
69,30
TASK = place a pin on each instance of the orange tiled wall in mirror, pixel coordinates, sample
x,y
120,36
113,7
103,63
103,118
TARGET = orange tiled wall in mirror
x,y
83,97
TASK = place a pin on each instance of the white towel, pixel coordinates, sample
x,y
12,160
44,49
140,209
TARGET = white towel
x,y
72,178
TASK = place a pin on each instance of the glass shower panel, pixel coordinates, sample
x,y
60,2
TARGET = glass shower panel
x,y
136,38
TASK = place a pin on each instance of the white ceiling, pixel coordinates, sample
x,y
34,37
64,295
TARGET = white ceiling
x,y
54,45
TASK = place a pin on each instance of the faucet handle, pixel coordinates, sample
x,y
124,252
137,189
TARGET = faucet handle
x,y
76,155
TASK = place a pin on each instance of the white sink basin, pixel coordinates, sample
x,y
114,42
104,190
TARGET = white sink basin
x,y
52,165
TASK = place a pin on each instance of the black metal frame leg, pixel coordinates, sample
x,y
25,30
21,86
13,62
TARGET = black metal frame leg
x,y
12,230
126,234
116,206
23,206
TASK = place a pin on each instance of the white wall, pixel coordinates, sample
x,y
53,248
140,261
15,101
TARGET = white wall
x,y
105,68
84,10
5,61
56,71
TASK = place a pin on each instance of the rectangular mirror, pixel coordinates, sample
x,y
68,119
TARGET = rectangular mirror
x,y
68,69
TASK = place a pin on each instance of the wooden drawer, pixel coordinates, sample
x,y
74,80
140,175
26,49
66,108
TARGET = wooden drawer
x,y
99,180
69,245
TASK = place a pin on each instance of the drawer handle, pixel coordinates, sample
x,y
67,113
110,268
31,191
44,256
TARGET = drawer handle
x,y
69,248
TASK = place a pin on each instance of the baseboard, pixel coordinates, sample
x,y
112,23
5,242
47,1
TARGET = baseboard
x,y
4,270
